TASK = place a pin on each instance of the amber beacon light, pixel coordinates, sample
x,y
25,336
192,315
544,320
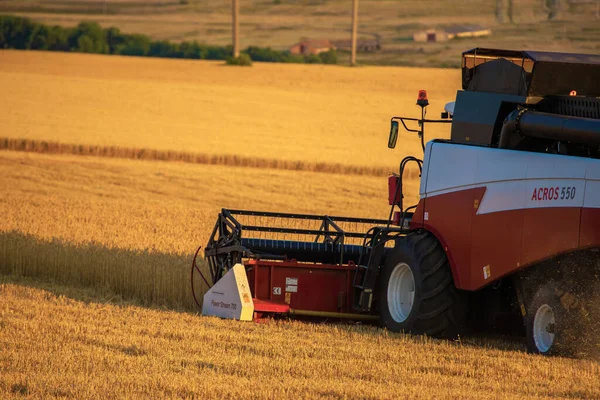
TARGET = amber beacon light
x,y
422,98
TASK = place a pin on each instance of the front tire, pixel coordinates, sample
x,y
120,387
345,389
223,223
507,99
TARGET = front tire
x,y
417,292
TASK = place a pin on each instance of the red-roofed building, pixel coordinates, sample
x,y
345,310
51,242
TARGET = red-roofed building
x,y
312,46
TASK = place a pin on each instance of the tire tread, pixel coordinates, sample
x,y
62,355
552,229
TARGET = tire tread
x,y
441,311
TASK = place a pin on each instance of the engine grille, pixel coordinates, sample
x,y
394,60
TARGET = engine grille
x,y
584,107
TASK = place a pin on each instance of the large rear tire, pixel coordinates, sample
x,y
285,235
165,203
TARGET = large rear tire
x,y
417,292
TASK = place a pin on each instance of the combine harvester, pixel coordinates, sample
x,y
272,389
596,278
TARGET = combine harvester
x,y
507,228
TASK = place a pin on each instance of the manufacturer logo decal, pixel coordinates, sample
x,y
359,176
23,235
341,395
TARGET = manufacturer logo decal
x,y
554,193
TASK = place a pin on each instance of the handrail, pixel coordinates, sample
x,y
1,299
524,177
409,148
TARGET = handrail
x,y
305,216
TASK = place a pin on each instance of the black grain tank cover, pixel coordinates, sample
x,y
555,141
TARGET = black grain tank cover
x,y
530,73
494,82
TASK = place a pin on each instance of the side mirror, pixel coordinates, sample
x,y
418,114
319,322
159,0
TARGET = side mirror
x,y
393,135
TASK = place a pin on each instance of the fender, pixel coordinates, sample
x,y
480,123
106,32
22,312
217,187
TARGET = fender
x,y
449,218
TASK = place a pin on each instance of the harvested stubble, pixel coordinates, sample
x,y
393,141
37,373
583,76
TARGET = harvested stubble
x,y
84,347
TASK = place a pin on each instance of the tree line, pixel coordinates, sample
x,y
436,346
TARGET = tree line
x,y
89,37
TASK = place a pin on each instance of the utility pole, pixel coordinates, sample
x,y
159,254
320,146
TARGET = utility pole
x,y
354,29
500,11
235,11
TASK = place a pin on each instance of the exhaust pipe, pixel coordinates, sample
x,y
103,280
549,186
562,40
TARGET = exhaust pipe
x,y
540,125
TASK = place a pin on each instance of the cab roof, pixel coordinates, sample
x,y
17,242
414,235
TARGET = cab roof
x,y
536,56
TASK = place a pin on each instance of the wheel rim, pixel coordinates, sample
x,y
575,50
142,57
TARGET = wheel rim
x,y
401,292
543,328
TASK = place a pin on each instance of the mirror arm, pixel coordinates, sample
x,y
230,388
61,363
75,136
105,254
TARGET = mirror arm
x,y
421,122
402,119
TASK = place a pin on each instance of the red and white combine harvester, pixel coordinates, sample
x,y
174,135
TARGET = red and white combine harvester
x,y
507,228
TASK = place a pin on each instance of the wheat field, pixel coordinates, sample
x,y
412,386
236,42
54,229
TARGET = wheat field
x,y
95,249
163,211
284,112
133,226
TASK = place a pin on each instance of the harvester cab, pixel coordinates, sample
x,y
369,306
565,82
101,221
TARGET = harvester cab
x,y
507,222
